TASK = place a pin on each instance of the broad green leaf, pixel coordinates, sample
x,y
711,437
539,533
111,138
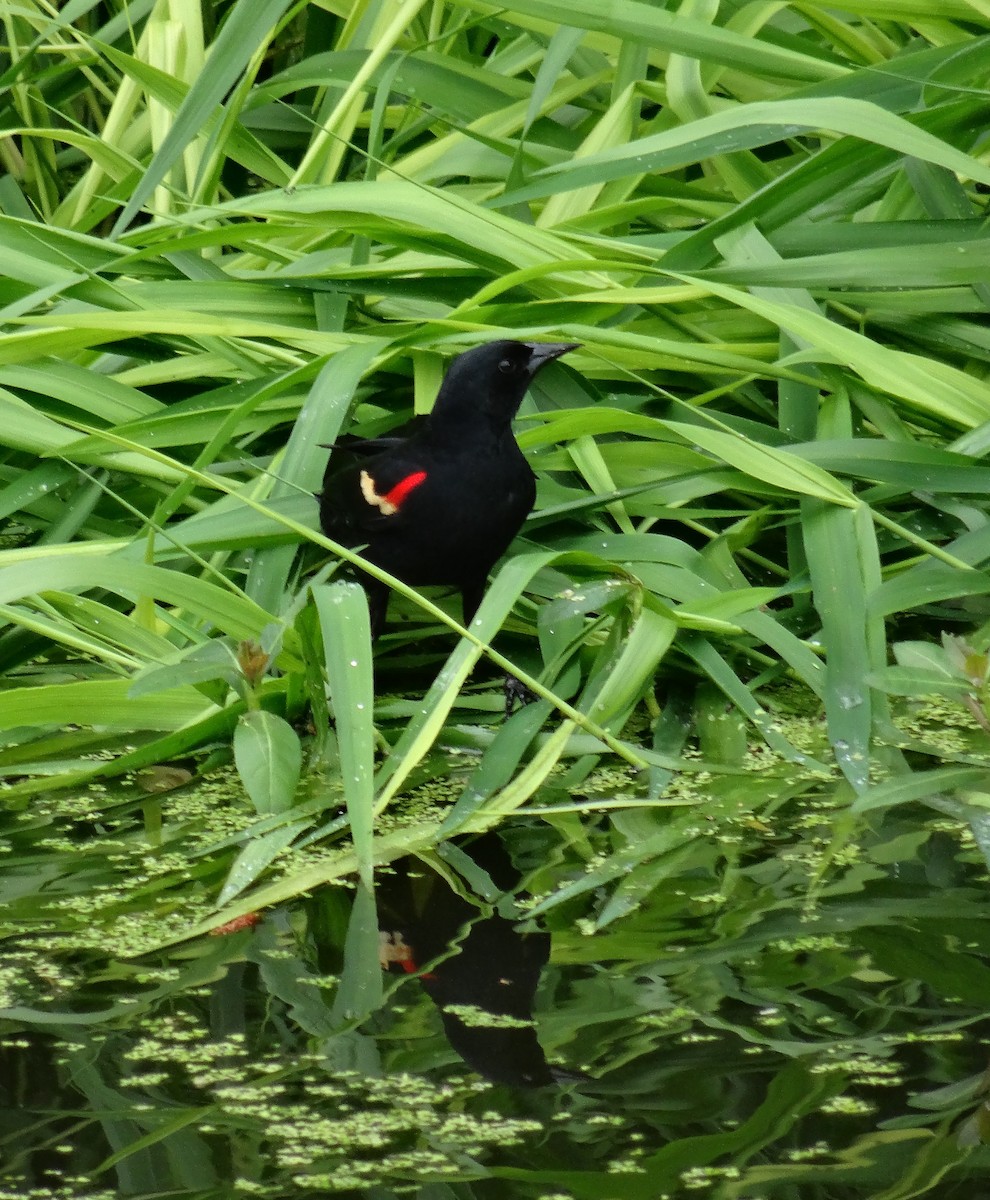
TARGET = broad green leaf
x,y
204,600
831,538
346,629
778,467
917,681
473,228
927,656
929,385
746,126
104,703
676,33
269,758
922,785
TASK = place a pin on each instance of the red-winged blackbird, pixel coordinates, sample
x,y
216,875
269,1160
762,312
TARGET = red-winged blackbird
x,y
442,506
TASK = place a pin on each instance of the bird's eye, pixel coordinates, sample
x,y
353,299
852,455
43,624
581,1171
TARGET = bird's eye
x,y
506,366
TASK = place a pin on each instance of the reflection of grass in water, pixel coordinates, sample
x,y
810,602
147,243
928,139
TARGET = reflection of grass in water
x,y
774,947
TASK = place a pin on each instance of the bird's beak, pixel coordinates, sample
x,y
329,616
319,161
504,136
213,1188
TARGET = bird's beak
x,y
541,353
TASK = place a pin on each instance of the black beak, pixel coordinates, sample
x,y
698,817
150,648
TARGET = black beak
x,y
541,353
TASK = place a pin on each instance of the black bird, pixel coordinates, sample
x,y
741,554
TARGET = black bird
x,y
442,505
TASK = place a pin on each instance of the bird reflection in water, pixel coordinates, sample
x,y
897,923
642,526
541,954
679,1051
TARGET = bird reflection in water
x,y
479,969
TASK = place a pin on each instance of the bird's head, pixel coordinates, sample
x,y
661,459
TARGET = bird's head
x,y
492,379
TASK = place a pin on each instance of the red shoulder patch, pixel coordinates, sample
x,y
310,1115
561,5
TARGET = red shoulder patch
x,y
402,489
391,501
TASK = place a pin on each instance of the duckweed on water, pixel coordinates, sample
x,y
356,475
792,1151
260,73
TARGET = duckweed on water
x,y
323,1128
